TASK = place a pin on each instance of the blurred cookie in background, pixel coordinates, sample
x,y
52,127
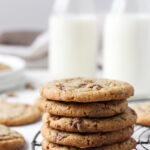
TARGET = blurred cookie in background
x,y
39,103
143,113
10,139
15,114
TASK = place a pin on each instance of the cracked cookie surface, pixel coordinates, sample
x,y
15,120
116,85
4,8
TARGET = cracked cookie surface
x,y
115,123
10,139
126,145
86,90
85,140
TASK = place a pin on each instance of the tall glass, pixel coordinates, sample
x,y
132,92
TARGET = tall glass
x,y
73,31
127,44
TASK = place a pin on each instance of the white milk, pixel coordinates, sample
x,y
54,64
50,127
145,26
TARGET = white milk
x,y
73,45
127,50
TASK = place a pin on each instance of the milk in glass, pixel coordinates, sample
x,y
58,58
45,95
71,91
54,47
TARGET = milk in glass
x,y
127,50
73,45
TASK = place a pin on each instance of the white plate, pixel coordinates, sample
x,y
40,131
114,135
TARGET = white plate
x,y
13,77
17,64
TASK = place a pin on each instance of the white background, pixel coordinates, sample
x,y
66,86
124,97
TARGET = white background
x,y
31,14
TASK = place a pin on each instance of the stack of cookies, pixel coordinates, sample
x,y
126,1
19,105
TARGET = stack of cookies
x,y
85,114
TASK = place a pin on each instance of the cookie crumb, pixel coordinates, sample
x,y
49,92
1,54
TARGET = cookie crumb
x,y
29,86
11,94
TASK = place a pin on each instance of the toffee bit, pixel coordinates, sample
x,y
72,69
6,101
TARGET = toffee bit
x,y
96,86
61,136
29,86
60,86
82,85
76,123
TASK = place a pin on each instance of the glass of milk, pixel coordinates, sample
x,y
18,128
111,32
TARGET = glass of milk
x,y
73,38
126,45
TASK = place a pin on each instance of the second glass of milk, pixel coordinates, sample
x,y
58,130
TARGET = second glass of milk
x,y
73,44
126,46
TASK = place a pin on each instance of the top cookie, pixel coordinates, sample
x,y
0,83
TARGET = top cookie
x,y
86,90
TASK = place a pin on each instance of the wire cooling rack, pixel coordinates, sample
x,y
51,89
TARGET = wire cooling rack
x,y
141,134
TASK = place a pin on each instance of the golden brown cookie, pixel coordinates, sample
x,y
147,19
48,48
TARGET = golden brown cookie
x,y
143,113
39,103
91,125
85,140
126,145
13,114
86,90
96,109
10,139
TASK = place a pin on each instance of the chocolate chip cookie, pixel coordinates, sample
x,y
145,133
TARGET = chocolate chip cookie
x,y
10,139
86,90
40,103
14,114
91,125
126,145
96,109
143,113
85,140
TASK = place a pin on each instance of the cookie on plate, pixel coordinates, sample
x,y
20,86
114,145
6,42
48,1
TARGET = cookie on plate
x,y
10,139
4,67
126,145
14,114
96,109
86,90
91,125
85,140
143,113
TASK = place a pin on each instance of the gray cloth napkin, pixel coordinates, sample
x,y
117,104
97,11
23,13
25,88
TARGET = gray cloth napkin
x,y
30,45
